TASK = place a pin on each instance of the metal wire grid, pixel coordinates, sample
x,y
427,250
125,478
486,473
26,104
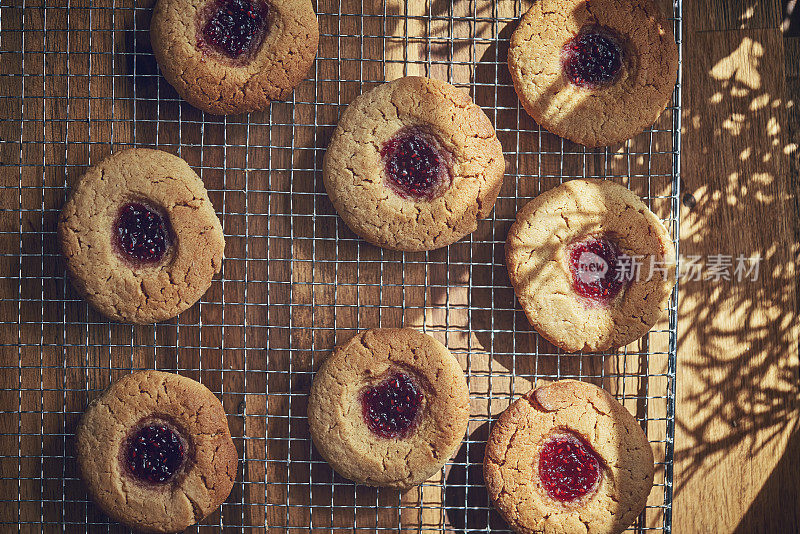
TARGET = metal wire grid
x,y
79,81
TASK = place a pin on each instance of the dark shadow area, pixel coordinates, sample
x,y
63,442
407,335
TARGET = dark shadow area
x,y
776,496
138,53
466,500
790,25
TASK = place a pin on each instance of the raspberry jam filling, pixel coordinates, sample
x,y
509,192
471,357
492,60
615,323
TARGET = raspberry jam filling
x,y
594,265
568,467
416,165
592,58
154,453
141,233
390,408
235,27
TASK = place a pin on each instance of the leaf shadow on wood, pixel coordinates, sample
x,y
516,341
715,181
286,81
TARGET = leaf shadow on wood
x,y
739,389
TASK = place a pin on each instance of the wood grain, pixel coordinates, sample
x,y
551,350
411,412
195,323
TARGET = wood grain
x,y
737,446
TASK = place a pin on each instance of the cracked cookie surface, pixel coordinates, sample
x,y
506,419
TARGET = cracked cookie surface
x,y
602,114
341,407
453,128
518,444
204,478
578,215
236,77
117,284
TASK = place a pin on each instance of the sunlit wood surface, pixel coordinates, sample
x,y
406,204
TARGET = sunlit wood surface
x,y
737,445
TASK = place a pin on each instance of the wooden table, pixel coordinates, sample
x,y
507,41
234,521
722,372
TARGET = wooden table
x,y
737,445
737,442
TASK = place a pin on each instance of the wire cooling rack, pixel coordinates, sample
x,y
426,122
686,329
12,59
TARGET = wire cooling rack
x,y
78,81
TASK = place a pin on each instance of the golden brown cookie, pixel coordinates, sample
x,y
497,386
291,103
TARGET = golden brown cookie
x,y
155,451
234,56
389,407
140,236
413,164
596,72
592,266
565,458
